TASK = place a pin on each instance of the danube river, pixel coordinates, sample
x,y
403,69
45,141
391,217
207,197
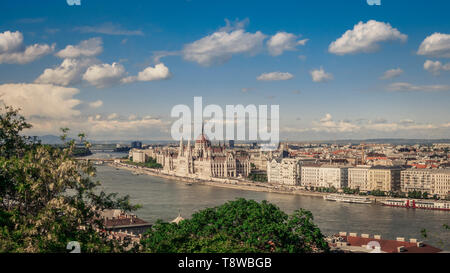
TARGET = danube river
x,y
163,199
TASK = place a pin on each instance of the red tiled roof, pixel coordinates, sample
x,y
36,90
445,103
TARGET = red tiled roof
x,y
391,246
123,222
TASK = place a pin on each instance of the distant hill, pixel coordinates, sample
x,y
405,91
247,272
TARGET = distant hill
x,y
394,141
51,139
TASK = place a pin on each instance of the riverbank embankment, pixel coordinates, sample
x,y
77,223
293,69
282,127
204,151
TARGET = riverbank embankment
x,y
231,183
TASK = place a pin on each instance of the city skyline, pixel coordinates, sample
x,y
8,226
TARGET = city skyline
x,y
337,73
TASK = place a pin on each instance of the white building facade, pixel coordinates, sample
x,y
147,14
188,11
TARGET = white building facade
x,y
286,171
324,176
417,180
358,178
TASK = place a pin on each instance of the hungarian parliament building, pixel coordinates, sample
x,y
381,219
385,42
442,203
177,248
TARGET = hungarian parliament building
x,y
203,160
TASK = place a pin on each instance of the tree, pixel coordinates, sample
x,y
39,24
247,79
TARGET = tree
x,y
439,237
81,136
47,198
238,226
11,124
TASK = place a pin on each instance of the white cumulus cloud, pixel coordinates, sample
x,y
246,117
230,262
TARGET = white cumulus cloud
x,y
275,76
319,75
435,45
283,41
68,72
329,125
104,75
392,73
159,72
220,46
87,48
13,51
365,37
10,41
436,67
41,100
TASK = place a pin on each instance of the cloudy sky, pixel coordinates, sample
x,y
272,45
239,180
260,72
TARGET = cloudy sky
x,y
338,69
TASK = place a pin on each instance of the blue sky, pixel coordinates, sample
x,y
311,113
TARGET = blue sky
x,y
218,49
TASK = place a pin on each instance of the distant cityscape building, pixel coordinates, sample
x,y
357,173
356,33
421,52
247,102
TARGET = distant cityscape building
x,y
358,178
324,176
417,180
442,183
138,156
388,167
286,171
384,178
202,161
426,180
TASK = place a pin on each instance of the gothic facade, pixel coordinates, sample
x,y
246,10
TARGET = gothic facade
x,y
203,160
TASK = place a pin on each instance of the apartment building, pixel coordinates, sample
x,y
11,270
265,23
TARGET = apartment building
x,y
417,180
336,177
138,156
384,178
259,160
284,171
358,178
324,176
442,183
310,176
426,180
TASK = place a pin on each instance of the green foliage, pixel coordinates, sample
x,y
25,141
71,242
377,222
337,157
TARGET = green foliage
x,y
397,194
258,177
47,198
418,195
322,189
151,163
11,124
241,226
378,193
81,151
347,190
424,233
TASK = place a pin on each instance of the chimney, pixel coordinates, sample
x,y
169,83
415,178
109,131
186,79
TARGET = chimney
x,y
365,235
400,239
377,237
413,240
352,234
342,233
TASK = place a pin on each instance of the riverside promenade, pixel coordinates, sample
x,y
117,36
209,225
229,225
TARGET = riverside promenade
x,y
239,184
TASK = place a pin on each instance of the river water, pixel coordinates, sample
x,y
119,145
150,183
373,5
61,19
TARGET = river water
x,y
163,199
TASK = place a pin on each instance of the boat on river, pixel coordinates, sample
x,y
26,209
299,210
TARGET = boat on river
x,y
417,204
346,198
